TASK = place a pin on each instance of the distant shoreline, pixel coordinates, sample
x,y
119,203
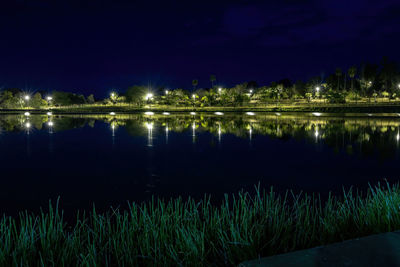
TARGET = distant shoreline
x,y
329,108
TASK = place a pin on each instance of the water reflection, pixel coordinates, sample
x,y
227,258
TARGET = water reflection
x,y
364,135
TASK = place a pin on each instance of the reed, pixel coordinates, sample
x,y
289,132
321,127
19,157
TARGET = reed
x,y
196,233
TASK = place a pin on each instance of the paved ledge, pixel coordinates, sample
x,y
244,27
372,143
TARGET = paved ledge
x,y
375,250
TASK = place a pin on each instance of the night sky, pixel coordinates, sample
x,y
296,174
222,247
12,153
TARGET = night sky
x,y
102,45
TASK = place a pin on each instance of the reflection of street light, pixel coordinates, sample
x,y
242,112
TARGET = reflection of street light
x,y
194,132
149,126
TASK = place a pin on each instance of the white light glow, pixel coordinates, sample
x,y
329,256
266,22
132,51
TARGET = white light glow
x,y
49,98
49,113
277,114
149,96
192,113
112,113
317,88
27,125
50,123
250,113
219,113
27,97
166,113
150,113
317,114
27,114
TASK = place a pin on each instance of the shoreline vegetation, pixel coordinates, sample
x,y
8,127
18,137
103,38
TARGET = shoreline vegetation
x,y
195,233
366,88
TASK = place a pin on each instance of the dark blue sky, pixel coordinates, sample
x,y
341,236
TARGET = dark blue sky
x,y
93,46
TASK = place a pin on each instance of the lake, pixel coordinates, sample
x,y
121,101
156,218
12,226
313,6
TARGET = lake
x,y
112,159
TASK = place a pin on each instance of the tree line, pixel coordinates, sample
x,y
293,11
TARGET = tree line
x,y
366,82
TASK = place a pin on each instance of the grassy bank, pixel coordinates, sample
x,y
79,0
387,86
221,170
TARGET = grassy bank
x,y
380,107
194,233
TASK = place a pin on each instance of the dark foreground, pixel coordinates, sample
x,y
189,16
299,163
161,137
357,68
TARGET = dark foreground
x,y
374,250
196,233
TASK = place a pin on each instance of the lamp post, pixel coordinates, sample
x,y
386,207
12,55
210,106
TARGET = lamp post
x,y
194,99
317,91
114,97
49,99
27,98
148,98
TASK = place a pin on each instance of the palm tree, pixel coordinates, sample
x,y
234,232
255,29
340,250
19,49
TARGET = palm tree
x,y
212,80
352,73
338,74
195,83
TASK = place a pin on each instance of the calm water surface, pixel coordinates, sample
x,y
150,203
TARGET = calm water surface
x,y
109,160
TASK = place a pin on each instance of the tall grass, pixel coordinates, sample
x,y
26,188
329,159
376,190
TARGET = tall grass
x,y
196,233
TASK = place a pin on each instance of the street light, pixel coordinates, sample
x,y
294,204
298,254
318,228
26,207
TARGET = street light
x,y
149,96
166,92
194,96
49,98
27,97
317,88
251,91
219,89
